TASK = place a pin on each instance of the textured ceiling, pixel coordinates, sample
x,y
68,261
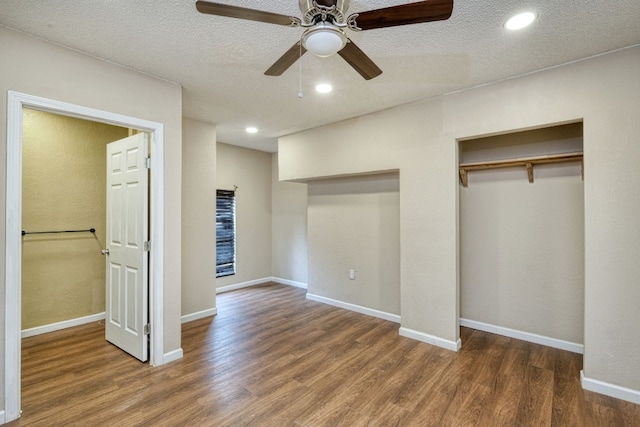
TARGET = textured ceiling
x,y
220,61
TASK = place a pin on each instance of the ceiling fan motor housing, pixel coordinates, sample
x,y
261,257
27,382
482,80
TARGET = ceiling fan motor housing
x,y
315,11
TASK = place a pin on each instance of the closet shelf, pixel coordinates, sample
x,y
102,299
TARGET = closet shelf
x,y
527,162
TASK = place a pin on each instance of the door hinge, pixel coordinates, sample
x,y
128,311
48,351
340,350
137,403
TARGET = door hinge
x,y
147,162
146,329
146,246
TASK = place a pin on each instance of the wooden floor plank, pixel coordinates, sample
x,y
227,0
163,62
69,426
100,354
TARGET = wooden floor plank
x,y
502,406
536,401
272,358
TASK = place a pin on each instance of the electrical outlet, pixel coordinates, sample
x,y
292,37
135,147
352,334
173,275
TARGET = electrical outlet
x,y
352,274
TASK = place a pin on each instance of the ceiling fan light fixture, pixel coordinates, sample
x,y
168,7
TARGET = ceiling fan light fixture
x,y
324,40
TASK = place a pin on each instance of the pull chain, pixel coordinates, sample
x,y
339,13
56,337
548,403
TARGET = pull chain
x,y
300,94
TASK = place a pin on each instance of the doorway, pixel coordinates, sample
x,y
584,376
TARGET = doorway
x,y
16,102
63,189
71,225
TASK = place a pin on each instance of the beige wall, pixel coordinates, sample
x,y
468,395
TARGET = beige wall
x,y
399,139
250,171
63,188
269,212
198,217
421,141
522,244
289,228
354,223
38,68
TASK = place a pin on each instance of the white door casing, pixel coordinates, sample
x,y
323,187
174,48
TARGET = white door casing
x,y
16,101
127,232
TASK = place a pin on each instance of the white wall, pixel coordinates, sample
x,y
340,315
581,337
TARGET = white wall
x,y
289,229
521,243
354,223
34,67
421,141
250,171
198,217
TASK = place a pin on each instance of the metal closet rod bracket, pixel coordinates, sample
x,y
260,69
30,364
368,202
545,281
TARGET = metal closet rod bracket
x,y
90,230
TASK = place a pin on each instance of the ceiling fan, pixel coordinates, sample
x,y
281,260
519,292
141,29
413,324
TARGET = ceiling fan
x,y
325,21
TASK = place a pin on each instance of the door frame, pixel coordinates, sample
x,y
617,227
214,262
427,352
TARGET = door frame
x,y
13,216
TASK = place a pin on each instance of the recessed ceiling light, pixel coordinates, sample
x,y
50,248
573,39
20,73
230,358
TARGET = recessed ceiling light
x,y
252,129
520,21
324,88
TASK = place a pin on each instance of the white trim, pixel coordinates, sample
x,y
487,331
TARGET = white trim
x,y
262,281
357,308
13,259
156,258
243,285
199,315
289,282
172,356
430,339
608,389
2,417
524,336
39,330
15,103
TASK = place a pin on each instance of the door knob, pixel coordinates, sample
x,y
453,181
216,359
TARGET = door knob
x,y
105,252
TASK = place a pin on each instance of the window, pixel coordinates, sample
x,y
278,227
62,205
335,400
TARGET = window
x,y
225,233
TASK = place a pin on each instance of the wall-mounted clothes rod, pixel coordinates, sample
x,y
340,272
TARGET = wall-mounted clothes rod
x,y
90,230
527,162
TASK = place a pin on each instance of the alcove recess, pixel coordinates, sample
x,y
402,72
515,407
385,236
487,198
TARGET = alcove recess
x,y
525,149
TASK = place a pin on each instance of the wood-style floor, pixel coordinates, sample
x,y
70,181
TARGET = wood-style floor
x,y
272,358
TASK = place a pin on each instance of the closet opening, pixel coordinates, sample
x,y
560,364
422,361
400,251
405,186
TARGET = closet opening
x,y
521,224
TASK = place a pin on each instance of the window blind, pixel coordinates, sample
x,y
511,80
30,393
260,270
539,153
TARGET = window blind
x,y
225,233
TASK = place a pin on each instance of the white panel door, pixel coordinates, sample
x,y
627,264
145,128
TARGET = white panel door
x,y
127,230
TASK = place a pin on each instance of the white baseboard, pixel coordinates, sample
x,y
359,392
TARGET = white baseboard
x,y
172,356
242,285
289,282
608,389
38,330
430,339
357,308
3,419
260,282
199,315
524,336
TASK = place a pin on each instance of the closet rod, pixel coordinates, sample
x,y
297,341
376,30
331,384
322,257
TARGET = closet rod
x,y
91,230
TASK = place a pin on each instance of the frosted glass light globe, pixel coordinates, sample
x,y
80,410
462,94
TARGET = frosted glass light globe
x,y
324,40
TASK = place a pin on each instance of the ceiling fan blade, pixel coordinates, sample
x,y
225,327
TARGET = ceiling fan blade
x,y
244,13
359,61
411,13
286,60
